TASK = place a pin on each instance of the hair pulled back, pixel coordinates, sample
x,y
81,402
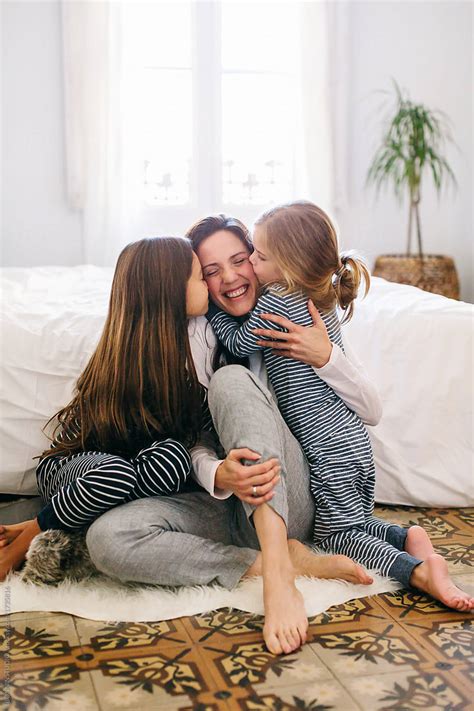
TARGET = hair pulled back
x,y
303,242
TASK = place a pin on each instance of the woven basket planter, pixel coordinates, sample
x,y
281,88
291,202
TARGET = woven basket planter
x,y
432,272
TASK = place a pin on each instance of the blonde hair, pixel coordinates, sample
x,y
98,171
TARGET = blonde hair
x,y
303,242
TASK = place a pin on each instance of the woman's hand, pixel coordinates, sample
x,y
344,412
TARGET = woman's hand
x,y
309,344
239,478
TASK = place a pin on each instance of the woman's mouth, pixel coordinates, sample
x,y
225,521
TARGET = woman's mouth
x,y
236,293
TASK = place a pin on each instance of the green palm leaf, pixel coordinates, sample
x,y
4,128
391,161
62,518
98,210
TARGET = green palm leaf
x,y
411,146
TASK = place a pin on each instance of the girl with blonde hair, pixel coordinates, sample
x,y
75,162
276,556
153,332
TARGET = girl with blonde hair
x,y
296,258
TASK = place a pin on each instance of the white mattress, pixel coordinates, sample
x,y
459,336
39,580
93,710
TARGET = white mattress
x,y
416,346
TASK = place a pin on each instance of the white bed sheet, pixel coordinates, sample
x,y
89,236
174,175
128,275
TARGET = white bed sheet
x,y
416,346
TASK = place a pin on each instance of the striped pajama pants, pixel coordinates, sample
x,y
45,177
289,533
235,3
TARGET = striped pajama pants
x,y
343,486
80,487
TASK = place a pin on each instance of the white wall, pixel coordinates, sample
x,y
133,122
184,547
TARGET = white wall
x,y
37,226
426,46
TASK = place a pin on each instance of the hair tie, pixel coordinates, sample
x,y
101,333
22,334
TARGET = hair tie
x,y
338,274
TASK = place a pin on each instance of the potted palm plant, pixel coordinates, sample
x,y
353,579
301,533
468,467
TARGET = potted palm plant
x,y
411,147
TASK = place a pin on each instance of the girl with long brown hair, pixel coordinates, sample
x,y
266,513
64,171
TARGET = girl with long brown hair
x,y
137,405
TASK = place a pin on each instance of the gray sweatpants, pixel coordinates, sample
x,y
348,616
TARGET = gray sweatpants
x,y
192,538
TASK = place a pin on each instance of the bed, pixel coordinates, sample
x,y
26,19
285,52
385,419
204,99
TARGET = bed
x,y
416,346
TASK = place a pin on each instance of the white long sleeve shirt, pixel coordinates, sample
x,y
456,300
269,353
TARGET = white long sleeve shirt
x,y
344,373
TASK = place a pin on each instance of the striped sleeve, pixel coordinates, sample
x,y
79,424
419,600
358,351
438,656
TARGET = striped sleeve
x,y
239,339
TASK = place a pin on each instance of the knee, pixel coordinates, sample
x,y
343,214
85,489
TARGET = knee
x,y
226,380
104,544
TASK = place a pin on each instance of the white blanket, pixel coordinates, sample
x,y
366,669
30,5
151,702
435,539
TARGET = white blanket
x,y
418,349
416,346
105,599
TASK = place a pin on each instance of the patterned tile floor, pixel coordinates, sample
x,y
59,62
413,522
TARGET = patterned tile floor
x,y
396,651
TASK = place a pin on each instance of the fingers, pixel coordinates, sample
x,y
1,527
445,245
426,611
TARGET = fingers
x,y
276,345
243,453
263,489
315,315
282,321
248,472
269,333
268,477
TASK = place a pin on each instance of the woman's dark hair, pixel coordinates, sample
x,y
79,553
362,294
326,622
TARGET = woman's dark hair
x,y
197,234
208,226
140,383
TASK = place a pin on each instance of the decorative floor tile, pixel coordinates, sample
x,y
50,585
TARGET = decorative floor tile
x,y
223,625
40,640
407,691
449,641
171,680
362,610
52,688
249,664
397,651
465,582
406,605
101,636
459,556
440,524
376,650
318,696
465,516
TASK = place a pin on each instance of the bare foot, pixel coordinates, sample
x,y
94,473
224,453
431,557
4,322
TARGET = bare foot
x,y
313,565
432,577
255,568
418,543
10,532
286,622
13,555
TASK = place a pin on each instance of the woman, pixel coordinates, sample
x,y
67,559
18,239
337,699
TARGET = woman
x,y
139,541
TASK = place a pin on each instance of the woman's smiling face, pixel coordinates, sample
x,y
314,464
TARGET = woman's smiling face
x,y
230,278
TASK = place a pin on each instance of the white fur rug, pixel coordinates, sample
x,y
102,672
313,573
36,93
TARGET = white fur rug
x,y
105,600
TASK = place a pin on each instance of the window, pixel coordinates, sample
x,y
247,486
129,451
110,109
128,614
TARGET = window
x,y
215,89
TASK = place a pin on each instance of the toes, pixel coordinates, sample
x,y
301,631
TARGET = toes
x,y
273,644
287,644
293,637
303,631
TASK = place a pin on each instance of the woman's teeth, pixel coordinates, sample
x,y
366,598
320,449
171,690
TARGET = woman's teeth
x,y
237,292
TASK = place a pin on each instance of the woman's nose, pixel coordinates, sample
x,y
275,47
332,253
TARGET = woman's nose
x,y
228,275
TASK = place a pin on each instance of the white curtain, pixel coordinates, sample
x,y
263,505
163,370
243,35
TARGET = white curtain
x,y
102,176
315,175
104,167
322,163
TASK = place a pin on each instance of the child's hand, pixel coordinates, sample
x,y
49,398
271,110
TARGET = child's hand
x,y
309,344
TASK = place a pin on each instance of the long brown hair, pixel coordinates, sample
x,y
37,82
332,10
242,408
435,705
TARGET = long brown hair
x,y
140,383
198,233
303,243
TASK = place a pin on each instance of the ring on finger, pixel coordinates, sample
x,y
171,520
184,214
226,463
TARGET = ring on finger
x,y
254,491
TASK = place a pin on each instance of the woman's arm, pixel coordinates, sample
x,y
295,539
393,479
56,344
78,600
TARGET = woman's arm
x,y
240,339
223,477
345,375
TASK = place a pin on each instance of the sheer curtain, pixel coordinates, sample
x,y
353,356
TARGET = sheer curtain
x,y
101,168
104,143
